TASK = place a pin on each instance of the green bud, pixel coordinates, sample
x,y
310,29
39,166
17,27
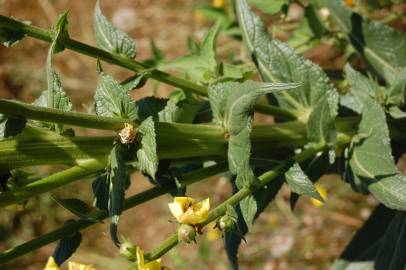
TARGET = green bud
x,y
226,223
186,233
128,250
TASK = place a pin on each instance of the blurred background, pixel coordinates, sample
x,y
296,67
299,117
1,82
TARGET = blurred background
x,y
311,237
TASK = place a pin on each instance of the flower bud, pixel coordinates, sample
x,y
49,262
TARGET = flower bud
x,y
186,233
226,223
128,250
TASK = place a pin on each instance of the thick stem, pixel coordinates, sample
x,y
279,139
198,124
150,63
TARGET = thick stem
x,y
127,63
130,202
57,180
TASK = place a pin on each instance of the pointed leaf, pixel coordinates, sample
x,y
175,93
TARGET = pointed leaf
x,y
112,99
67,246
276,62
371,39
110,38
118,179
202,65
59,31
77,207
147,154
233,107
300,183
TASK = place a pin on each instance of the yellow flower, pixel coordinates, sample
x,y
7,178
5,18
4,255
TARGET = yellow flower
x,y
51,264
152,265
187,211
323,193
219,3
79,266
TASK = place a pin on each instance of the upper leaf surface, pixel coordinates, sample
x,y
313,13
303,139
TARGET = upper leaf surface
x,y
381,46
371,159
110,38
112,99
300,183
147,154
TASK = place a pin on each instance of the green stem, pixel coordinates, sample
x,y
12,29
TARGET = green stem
x,y
15,108
130,202
115,59
220,210
57,180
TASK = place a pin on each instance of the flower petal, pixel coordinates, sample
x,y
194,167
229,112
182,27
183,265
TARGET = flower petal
x,y
153,265
176,210
51,264
140,257
79,266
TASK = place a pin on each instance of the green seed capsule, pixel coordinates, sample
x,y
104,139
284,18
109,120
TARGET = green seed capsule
x,y
128,250
186,233
226,223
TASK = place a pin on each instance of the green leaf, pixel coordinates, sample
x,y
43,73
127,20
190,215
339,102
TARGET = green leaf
x,y
321,123
77,207
110,38
371,159
300,183
360,87
371,39
118,180
59,31
136,81
397,91
232,105
392,254
151,106
278,63
365,240
315,99
100,187
147,154
54,97
270,7
249,209
200,66
67,246
11,126
112,99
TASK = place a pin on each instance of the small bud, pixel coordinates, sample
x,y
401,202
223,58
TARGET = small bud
x,y
226,223
186,233
127,135
128,250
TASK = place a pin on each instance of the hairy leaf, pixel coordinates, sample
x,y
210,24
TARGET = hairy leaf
x,y
112,99
360,86
200,66
59,31
371,159
147,154
315,99
300,183
67,246
118,179
382,47
233,106
110,38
